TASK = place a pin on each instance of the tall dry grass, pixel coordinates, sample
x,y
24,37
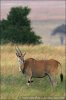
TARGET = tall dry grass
x,y
9,62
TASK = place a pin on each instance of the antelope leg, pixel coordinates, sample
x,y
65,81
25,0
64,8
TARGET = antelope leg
x,y
52,80
29,81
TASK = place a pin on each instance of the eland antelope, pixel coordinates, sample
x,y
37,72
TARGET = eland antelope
x,y
38,68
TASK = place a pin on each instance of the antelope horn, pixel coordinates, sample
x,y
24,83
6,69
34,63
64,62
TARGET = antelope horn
x,y
18,50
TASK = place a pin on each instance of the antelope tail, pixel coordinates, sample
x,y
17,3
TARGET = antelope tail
x,y
61,77
61,74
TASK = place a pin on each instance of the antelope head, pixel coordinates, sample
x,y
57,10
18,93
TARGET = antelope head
x,y
20,57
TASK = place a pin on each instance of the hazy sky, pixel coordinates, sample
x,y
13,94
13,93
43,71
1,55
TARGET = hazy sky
x,y
40,10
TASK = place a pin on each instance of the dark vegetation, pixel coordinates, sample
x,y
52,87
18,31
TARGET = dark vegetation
x,y
17,28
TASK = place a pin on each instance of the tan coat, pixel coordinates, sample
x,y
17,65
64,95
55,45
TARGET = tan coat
x,y
38,68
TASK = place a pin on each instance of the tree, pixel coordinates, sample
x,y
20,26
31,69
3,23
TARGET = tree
x,y
18,16
17,27
61,30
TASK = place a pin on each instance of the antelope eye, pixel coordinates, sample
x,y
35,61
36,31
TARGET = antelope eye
x,y
19,56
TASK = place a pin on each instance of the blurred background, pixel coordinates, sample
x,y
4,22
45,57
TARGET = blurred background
x,y
47,18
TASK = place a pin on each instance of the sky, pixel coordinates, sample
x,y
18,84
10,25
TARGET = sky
x,y
40,9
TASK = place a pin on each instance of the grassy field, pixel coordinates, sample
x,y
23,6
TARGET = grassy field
x,y
13,82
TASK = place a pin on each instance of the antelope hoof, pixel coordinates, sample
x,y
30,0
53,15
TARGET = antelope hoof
x,y
28,84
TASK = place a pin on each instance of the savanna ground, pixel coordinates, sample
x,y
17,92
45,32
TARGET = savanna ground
x,y
13,83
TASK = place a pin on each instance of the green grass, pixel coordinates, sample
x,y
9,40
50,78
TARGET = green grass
x,y
15,87
13,82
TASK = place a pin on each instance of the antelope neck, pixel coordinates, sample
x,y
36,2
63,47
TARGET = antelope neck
x,y
21,61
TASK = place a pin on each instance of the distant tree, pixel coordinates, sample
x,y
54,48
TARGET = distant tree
x,y
61,30
17,27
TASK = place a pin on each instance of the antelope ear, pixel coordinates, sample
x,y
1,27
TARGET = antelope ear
x,y
24,54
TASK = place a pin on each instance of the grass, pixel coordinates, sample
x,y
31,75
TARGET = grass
x,y
13,83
